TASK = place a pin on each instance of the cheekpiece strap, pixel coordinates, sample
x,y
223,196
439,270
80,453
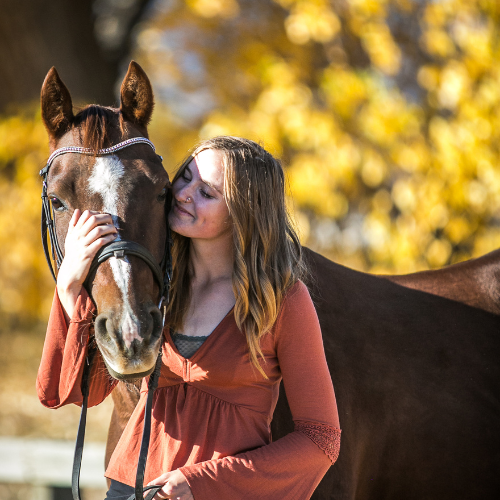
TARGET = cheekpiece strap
x,y
100,152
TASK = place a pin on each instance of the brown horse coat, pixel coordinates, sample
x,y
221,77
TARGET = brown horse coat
x,y
417,380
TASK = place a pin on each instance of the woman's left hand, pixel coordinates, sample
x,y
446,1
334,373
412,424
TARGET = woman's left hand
x,y
175,486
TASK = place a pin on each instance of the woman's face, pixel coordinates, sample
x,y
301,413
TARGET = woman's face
x,y
199,209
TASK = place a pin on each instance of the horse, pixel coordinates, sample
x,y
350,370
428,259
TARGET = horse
x,y
413,358
129,182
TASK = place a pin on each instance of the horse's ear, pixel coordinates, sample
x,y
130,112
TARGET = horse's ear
x,y
136,96
57,108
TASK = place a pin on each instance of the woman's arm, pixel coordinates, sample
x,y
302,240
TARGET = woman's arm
x,y
64,354
292,466
71,319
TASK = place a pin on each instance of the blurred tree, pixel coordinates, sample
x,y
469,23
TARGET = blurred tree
x,y
26,287
384,111
86,40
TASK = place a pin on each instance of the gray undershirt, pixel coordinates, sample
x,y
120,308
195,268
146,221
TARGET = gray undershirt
x,y
187,345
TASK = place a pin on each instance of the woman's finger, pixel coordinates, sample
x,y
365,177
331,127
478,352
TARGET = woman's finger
x,y
161,495
96,219
159,481
83,218
98,232
74,218
174,485
94,247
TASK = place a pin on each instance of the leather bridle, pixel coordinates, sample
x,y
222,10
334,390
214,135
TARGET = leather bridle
x,y
162,273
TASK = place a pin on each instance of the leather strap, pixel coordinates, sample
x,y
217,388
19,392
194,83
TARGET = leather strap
x,y
146,431
45,244
80,437
48,225
120,249
100,152
154,490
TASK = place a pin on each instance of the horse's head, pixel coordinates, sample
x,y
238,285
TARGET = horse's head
x,y
129,184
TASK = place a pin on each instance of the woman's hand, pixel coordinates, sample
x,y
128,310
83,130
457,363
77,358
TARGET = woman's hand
x,y
175,486
87,233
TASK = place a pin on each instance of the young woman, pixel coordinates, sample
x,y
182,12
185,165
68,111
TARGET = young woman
x,y
239,320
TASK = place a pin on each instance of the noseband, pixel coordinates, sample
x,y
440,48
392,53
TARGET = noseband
x,y
162,273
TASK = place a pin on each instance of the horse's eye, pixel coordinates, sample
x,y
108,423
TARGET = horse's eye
x,y
163,195
57,204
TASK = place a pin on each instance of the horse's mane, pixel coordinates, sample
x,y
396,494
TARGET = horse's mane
x,y
94,123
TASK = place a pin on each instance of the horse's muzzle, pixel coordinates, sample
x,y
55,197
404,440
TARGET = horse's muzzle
x,y
128,342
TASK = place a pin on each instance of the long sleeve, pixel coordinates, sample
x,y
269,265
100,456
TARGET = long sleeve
x,y
291,467
64,354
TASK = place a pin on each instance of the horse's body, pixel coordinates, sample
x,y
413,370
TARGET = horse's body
x,y
475,282
417,377
416,373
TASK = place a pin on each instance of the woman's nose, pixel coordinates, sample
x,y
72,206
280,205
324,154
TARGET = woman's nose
x,y
183,195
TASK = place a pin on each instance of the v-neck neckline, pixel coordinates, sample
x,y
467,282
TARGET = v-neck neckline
x,y
207,340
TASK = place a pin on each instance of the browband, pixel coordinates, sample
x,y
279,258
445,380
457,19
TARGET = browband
x,y
100,152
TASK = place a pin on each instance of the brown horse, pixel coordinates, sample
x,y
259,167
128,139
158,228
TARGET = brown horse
x,y
414,359
417,379
130,184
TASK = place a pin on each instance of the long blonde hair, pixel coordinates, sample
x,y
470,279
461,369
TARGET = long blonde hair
x,y
267,251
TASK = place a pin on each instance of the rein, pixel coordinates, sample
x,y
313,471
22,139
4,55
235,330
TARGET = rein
x,y
162,273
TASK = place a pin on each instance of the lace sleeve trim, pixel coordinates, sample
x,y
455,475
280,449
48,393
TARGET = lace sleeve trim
x,y
325,436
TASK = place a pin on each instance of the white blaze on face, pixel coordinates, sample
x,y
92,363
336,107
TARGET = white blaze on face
x,y
105,180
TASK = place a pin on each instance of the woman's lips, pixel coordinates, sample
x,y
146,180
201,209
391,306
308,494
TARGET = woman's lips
x,y
180,210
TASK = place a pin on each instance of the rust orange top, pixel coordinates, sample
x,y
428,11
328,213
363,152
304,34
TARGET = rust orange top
x,y
212,412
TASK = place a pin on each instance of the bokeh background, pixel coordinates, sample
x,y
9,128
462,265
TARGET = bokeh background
x,y
384,112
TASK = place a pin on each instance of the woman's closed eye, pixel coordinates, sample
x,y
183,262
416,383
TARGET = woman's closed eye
x,y
205,194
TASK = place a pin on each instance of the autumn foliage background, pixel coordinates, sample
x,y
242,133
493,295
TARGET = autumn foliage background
x,y
385,114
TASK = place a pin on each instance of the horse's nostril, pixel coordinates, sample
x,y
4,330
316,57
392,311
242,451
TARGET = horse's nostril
x,y
100,325
157,322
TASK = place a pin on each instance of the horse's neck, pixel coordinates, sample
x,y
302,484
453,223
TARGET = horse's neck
x,y
475,282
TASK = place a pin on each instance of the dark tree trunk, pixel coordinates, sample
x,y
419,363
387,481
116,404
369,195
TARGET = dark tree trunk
x,y
38,34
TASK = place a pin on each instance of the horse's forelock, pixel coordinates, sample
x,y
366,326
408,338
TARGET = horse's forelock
x,y
94,123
